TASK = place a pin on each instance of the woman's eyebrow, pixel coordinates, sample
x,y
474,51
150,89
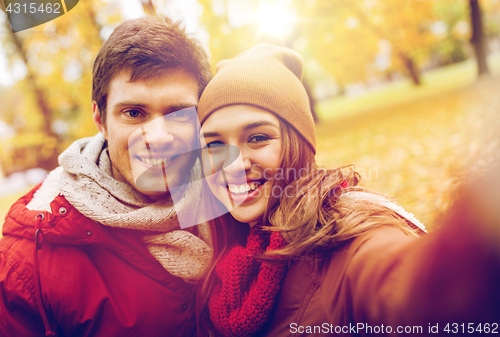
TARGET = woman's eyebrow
x,y
210,134
257,124
245,128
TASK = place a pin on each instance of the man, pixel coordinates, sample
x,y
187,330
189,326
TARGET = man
x,y
96,250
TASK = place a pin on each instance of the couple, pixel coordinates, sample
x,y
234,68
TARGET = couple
x,y
106,247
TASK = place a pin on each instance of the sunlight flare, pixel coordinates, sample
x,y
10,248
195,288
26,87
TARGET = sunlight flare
x,y
275,18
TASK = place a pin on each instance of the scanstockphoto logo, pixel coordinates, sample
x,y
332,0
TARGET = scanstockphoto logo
x,y
167,156
26,14
170,158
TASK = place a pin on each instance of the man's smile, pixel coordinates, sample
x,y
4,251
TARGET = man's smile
x,y
156,161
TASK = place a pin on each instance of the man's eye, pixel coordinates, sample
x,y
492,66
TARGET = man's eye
x,y
179,113
132,113
184,115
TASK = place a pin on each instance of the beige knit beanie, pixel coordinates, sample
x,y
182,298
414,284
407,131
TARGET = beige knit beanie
x,y
268,77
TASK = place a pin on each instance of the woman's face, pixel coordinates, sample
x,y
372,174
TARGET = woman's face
x,y
242,180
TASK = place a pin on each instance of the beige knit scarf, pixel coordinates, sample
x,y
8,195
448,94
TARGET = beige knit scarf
x,y
85,179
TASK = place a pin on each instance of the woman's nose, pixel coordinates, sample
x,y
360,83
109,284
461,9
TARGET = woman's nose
x,y
217,158
238,162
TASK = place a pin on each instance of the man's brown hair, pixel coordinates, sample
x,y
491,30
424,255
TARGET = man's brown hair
x,y
146,47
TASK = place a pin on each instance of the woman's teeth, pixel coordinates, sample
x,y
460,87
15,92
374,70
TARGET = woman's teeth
x,y
155,162
240,189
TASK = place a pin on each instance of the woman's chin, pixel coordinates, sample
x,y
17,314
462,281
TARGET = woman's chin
x,y
250,211
245,217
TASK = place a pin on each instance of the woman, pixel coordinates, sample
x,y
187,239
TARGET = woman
x,y
321,255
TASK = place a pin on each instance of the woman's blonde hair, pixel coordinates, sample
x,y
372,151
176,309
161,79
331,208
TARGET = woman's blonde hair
x,y
308,209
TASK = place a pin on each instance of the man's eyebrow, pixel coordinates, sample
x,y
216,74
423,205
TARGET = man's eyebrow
x,y
245,128
142,105
129,103
183,106
171,108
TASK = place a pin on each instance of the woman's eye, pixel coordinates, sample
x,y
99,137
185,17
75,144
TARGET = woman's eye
x,y
215,145
258,139
132,113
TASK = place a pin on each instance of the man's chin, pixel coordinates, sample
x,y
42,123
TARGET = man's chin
x,y
152,186
158,178
154,195
149,183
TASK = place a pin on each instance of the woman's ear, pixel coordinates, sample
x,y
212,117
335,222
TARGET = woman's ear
x,y
96,115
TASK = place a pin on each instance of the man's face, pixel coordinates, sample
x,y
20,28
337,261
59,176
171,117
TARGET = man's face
x,y
147,134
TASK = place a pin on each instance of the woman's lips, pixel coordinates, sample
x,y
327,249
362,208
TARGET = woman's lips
x,y
244,192
242,189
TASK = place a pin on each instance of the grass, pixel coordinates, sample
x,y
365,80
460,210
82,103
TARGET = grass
x,y
416,144
433,83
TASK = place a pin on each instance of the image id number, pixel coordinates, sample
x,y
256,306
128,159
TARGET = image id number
x,y
471,328
33,8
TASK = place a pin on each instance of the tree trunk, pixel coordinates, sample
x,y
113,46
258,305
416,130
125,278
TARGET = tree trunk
x,y
341,89
2,174
477,38
412,69
50,162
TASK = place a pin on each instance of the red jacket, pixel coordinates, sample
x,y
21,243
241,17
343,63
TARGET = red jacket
x,y
91,280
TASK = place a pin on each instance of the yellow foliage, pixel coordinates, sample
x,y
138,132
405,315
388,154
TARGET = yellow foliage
x,y
345,36
60,56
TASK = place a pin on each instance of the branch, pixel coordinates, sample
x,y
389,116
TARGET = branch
x,y
148,6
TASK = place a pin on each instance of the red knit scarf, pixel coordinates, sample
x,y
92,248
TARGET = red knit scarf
x,y
246,290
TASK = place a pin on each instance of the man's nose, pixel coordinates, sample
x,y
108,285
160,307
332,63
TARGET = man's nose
x,y
157,134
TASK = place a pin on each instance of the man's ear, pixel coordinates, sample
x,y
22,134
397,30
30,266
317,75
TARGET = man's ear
x,y
96,115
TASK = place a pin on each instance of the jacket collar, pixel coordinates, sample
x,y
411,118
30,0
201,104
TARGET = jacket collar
x,y
64,224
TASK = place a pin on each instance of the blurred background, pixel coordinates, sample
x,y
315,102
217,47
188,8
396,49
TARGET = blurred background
x,y
406,90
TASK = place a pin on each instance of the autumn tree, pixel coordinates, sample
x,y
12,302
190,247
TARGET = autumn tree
x,y
351,40
53,101
227,39
38,92
453,29
478,38
348,36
